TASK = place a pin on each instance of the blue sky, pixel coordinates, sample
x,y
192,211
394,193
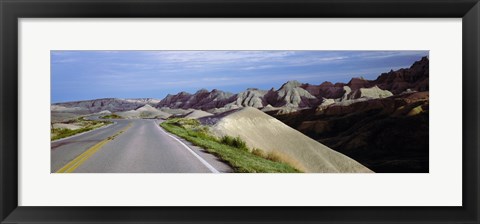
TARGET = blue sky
x,y
84,75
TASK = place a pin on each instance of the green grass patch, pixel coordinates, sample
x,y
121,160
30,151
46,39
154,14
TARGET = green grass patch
x,y
236,142
86,125
111,116
232,150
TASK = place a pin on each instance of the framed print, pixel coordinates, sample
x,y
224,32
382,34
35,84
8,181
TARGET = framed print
x,y
246,112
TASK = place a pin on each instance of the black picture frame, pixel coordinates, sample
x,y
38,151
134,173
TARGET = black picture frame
x,y
12,10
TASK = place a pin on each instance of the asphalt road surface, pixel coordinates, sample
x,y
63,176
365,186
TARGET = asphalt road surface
x,y
131,146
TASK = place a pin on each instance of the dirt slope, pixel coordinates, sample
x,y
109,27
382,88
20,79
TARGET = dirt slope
x,y
197,114
262,131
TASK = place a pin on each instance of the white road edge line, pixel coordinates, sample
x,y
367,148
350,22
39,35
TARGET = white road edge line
x,y
69,137
210,167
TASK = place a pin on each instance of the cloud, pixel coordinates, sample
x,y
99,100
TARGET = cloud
x,y
216,57
232,60
386,54
65,60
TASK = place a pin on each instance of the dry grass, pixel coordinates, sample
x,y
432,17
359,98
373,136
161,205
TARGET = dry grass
x,y
279,157
86,125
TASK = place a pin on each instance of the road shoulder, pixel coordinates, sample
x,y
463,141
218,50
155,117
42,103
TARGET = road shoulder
x,y
218,164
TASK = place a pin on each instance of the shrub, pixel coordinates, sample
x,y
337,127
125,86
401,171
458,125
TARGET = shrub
x,y
189,122
58,133
236,142
112,116
184,123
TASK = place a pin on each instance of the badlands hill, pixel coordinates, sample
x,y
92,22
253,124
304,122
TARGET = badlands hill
x,y
146,111
290,95
414,78
262,131
70,110
202,99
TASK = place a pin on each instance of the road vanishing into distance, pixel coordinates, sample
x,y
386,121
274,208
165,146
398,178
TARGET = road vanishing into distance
x,y
131,146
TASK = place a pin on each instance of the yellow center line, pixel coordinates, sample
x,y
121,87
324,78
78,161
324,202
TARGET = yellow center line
x,y
79,160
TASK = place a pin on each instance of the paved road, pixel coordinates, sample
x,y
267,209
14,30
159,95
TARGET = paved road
x,y
138,146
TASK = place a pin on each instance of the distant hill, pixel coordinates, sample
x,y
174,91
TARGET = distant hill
x,y
110,104
145,111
